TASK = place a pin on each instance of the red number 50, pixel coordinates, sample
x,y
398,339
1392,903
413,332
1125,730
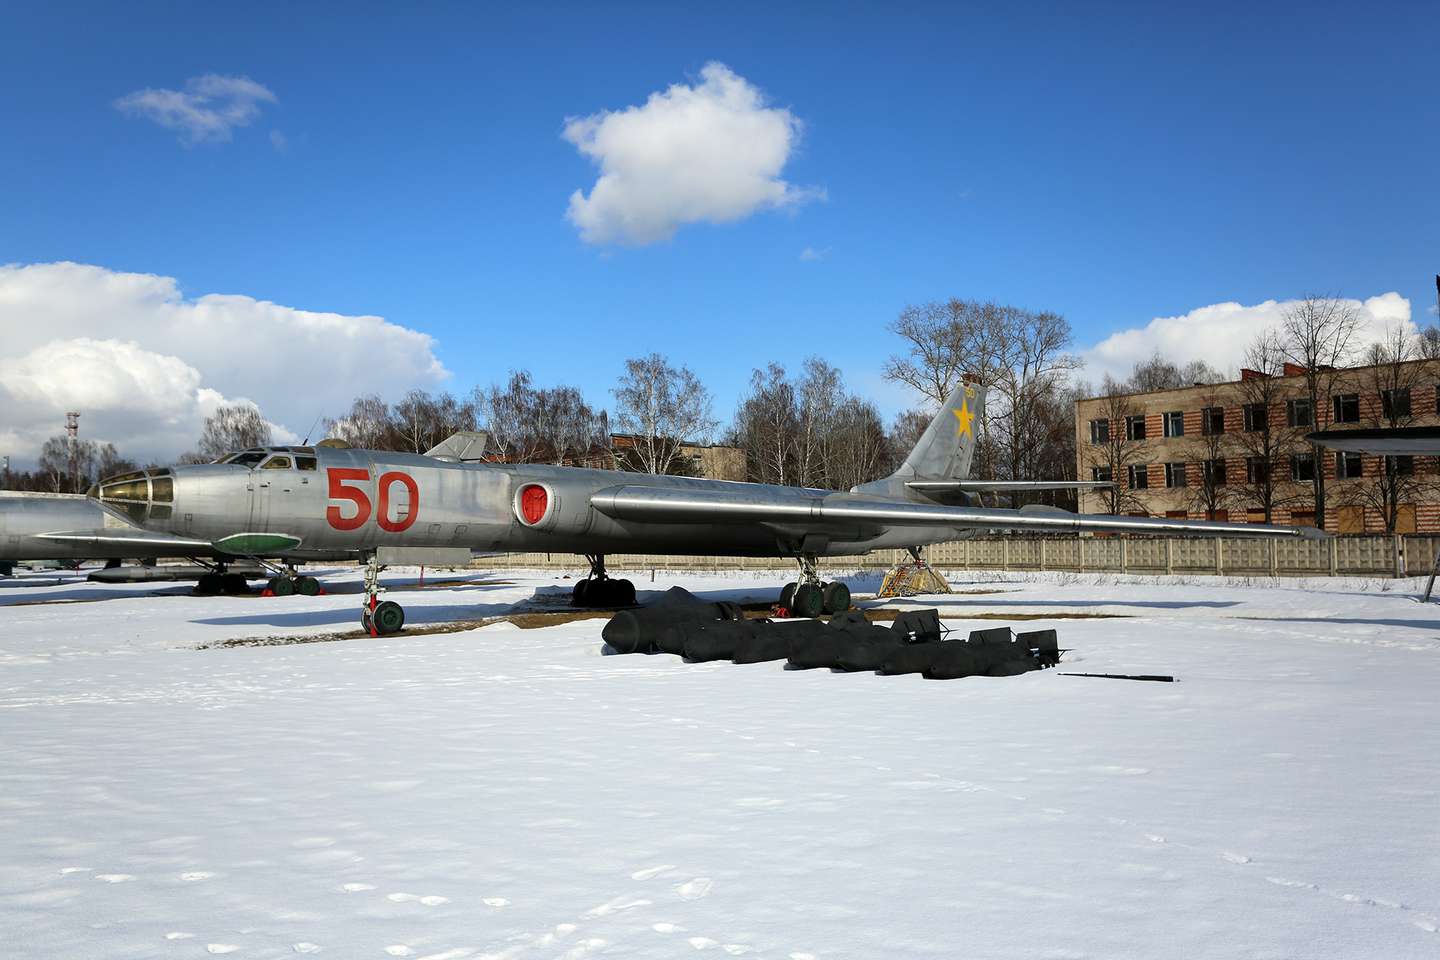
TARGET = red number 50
x,y
339,476
338,491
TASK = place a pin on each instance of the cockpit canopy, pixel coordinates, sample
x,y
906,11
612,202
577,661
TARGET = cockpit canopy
x,y
273,458
139,494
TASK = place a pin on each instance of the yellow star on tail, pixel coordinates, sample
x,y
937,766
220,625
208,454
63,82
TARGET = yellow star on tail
x,y
966,419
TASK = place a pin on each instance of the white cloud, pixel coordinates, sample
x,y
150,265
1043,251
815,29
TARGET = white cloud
x,y
706,153
209,107
279,141
1220,333
144,365
811,255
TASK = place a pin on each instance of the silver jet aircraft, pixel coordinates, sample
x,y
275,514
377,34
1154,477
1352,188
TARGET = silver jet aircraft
x,y
398,508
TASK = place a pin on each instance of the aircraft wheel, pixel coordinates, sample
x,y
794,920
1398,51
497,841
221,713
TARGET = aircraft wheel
x,y
307,586
366,623
580,596
282,586
787,596
208,585
837,597
622,593
234,584
388,617
809,601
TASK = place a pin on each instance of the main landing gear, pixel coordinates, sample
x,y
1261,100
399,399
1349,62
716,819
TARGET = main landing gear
x,y
379,617
288,582
219,581
598,590
810,596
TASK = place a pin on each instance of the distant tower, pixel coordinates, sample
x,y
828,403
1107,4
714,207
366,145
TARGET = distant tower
x,y
72,429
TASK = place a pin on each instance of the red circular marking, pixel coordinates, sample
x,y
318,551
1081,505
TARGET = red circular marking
x,y
533,503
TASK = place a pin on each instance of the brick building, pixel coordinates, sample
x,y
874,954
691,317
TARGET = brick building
x,y
1228,450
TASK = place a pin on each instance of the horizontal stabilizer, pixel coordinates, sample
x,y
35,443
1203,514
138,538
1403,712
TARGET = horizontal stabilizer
x,y
128,538
992,486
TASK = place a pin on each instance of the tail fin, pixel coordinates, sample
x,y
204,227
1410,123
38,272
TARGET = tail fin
x,y
947,446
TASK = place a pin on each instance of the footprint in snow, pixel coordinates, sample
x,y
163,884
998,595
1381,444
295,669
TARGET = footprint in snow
x,y
667,927
195,875
703,943
650,873
114,877
313,843
305,947
221,947
618,905
495,902
416,898
695,889
178,935
1234,857
357,887
64,871
398,950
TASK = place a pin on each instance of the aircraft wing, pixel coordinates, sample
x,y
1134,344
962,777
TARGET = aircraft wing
x,y
665,505
1393,442
129,538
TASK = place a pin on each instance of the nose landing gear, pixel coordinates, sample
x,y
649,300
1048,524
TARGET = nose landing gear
x,y
598,590
379,617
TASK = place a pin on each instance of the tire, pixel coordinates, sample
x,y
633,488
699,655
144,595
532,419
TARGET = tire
x,y
389,617
307,586
282,586
836,597
623,593
809,601
235,584
208,585
580,596
365,623
787,595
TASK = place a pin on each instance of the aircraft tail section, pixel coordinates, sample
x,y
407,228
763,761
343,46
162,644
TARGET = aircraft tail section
x,y
946,448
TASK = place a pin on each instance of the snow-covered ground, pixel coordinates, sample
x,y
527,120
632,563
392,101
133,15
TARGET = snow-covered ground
x,y
513,793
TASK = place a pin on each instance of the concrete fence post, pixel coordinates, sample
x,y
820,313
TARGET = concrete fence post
x,y
1169,556
1219,556
1334,557
1398,554
1274,559
1005,554
1042,555
1124,556
1080,554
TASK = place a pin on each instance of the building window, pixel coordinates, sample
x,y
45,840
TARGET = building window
x,y
1215,472
1099,431
1101,474
1139,476
1395,404
1347,407
1298,413
1347,465
1400,466
1212,421
1174,474
1257,417
1257,470
1134,428
1175,424
1302,467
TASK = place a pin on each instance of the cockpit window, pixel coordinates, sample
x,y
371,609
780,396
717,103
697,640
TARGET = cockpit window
x,y
276,463
247,459
305,463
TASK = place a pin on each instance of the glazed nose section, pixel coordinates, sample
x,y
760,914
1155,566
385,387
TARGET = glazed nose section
x,y
143,495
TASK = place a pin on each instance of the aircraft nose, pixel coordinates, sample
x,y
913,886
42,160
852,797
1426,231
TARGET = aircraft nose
x,y
143,495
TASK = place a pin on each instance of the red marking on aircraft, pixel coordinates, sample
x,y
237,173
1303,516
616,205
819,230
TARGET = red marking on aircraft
x,y
382,517
533,503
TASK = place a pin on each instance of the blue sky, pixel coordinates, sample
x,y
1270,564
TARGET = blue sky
x,y
1114,163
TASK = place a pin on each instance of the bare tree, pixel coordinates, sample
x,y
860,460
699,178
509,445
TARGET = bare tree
x,y
819,395
1266,439
1160,373
1109,451
1427,344
1386,386
765,427
1214,491
109,463
1317,334
661,406
235,427
1036,367
58,473
368,425
856,448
